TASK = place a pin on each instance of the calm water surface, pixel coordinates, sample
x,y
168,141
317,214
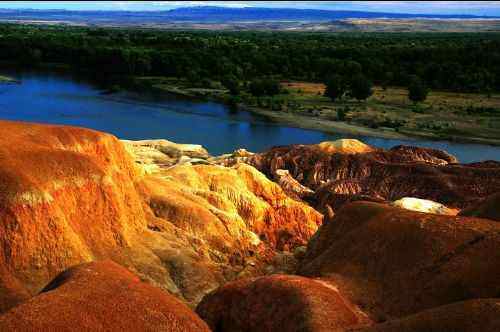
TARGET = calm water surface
x,y
62,99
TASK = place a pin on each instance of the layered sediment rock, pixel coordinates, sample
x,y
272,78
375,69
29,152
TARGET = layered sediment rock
x,y
339,175
177,220
101,296
394,262
240,199
279,303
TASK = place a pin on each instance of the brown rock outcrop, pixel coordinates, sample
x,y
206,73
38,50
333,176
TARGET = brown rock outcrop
x,y
394,262
468,316
379,174
71,195
291,186
101,296
279,303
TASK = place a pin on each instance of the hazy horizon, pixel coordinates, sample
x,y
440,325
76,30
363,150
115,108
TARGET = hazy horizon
x,y
481,8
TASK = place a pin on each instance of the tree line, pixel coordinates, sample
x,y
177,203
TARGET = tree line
x,y
466,62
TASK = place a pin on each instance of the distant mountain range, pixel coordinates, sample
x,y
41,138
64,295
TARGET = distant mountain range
x,y
211,14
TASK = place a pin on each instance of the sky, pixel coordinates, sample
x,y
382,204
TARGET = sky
x,y
486,8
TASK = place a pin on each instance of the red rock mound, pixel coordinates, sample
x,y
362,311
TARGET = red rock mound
x,y
488,208
468,316
381,174
393,262
279,303
101,296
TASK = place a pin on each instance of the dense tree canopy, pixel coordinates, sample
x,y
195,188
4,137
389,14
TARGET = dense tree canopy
x,y
336,87
450,61
360,87
264,87
417,90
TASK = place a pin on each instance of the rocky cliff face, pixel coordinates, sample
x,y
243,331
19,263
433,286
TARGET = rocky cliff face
x,y
71,195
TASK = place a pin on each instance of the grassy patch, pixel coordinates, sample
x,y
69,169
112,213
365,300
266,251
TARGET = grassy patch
x,y
443,114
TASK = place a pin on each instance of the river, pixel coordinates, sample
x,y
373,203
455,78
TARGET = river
x,y
49,97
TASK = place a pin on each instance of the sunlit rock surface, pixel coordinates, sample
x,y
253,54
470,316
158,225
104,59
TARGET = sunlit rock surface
x,y
193,225
67,196
345,146
71,195
101,296
154,155
241,199
423,205
291,186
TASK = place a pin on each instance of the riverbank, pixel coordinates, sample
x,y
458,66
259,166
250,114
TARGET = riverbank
x,y
454,117
327,126
341,127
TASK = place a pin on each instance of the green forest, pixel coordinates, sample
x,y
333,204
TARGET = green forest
x,y
460,62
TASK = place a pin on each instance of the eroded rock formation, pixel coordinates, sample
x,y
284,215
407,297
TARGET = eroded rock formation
x,y
101,296
190,223
339,175
71,195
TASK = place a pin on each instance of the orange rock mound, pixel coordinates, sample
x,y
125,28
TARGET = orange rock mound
x,y
66,197
279,303
101,296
